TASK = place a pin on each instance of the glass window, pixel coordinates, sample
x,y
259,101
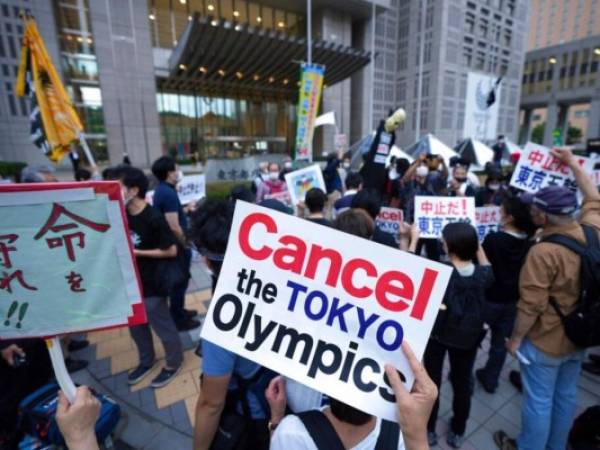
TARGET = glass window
x,y
11,46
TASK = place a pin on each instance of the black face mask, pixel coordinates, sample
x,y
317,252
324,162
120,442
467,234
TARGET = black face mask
x,y
460,180
348,414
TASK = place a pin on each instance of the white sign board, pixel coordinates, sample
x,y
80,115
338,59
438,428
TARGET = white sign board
x,y
481,122
299,182
487,219
389,220
191,188
537,169
323,307
432,214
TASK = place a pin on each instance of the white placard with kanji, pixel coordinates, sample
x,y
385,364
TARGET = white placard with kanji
x,y
432,214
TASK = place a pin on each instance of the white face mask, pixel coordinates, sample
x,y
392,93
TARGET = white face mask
x,y
273,175
422,171
494,186
126,199
346,165
393,174
287,165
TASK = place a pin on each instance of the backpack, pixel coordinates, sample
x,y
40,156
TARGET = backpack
x,y
585,433
582,325
325,437
460,325
38,410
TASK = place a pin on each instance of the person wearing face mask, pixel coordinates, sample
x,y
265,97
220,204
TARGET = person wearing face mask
x,y
493,193
288,166
152,240
345,168
459,185
166,200
261,176
273,185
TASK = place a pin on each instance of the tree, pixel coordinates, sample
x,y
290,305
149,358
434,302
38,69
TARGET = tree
x,y
574,135
537,134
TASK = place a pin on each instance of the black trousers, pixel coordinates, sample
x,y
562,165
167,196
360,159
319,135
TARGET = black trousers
x,y
461,369
432,248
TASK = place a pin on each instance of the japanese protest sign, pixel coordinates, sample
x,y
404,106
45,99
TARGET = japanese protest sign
x,y
283,197
537,169
487,219
300,181
389,220
66,261
432,214
191,188
323,307
308,105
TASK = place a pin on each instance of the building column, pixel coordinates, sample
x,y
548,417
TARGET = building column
x,y
551,121
525,132
563,121
593,128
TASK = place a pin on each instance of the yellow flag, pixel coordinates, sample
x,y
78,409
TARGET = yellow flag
x,y
54,122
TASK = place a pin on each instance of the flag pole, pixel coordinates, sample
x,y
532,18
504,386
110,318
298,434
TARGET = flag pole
x,y
86,150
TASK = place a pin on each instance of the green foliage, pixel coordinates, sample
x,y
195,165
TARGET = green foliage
x,y
11,169
574,135
537,134
221,189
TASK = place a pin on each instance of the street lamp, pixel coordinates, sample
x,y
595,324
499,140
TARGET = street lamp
x,y
597,51
552,60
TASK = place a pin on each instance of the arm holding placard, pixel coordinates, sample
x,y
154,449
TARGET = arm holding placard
x,y
209,408
584,181
77,419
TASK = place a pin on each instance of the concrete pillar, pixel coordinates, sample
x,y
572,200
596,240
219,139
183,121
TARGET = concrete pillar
x,y
593,129
551,121
525,132
563,121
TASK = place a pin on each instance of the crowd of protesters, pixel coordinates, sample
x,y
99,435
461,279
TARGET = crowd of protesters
x,y
516,284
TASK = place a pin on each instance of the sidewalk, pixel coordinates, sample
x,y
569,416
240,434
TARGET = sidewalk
x,y
163,418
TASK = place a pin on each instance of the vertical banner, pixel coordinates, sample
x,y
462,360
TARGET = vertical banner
x,y
481,120
308,105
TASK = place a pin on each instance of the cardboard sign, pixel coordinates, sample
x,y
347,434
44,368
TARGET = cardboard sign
x,y
537,169
66,261
301,181
323,307
487,219
191,188
432,214
389,220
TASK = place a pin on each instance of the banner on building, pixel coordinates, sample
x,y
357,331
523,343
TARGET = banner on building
x,y
389,220
481,120
323,307
69,267
487,219
432,214
54,122
308,105
538,168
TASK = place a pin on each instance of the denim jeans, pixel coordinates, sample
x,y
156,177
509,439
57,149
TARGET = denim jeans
x,y
549,398
501,319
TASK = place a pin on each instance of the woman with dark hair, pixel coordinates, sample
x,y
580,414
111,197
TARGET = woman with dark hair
x,y
506,250
459,326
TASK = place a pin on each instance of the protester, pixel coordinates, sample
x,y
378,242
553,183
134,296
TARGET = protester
x,y
345,167
550,281
241,192
354,183
499,149
460,185
261,176
38,174
288,166
222,369
458,329
75,161
273,185
77,420
332,179
153,241
167,202
370,201
506,251
493,192
314,201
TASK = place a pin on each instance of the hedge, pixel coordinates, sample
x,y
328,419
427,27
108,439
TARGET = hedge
x,y
221,189
11,169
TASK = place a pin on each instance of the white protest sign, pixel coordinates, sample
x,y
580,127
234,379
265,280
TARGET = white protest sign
x,y
488,220
299,182
283,197
389,220
68,266
432,214
323,307
191,188
596,177
537,169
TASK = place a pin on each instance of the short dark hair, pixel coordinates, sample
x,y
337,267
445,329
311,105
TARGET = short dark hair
x,y
369,200
162,166
461,240
83,175
520,212
241,192
133,177
353,180
315,200
347,413
356,222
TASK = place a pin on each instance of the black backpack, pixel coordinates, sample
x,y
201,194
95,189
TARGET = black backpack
x,y
460,325
325,437
582,325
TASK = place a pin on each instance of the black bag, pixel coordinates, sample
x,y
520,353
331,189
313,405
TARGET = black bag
x,y
325,437
582,325
460,325
240,431
585,433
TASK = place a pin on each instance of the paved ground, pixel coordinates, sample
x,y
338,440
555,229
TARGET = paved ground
x,y
163,418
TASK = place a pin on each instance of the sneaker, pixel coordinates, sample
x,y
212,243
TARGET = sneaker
x,y
504,442
74,365
454,440
76,345
138,374
186,324
165,377
484,384
189,313
432,438
515,379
